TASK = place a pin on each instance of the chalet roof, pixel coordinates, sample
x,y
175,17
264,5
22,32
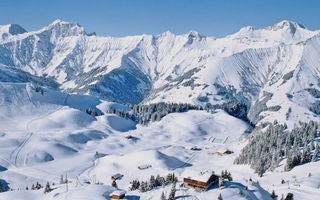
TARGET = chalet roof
x,y
223,150
145,166
118,192
202,176
117,176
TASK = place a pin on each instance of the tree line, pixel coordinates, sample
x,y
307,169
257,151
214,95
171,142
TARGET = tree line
x,y
145,114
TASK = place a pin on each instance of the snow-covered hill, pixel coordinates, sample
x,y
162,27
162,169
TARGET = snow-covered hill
x,y
45,134
274,70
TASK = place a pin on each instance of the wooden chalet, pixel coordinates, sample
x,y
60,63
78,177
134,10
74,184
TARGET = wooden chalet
x,y
224,152
146,166
116,176
195,148
199,180
117,194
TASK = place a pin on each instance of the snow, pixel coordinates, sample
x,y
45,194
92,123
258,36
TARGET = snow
x,y
117,123
45,133
176,68
202,176
118,192
65,118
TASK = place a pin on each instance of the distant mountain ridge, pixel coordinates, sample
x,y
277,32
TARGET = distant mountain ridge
x,y
275,71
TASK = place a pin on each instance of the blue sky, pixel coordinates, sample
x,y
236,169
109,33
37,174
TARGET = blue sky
x,y
131,17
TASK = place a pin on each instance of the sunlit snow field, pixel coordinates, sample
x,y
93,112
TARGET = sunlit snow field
x,y
44,136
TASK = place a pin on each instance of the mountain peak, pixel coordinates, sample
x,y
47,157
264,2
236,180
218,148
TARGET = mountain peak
x,y
286,25
285,31
166,34
59,21
194,34
247,29
64,28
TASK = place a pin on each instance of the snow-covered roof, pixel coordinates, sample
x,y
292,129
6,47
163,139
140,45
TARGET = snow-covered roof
x,y
202,176
146,166
116,176
223,150
118,192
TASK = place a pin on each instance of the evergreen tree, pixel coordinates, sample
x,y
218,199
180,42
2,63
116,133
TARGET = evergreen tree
x,y
226,175
221,182
163,196
135,184
315,153
158,180
289,196
220,197
273,195
305,155
172,195
38,186
275,160
47,189
169,178
312,145
289,164
152,182
229,176
143,186
114,184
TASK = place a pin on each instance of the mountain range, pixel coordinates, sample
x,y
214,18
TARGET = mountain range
x,y
274,71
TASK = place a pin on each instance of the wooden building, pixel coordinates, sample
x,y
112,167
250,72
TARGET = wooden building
x,y
117,194
116,177
224,152
146,166
199,180
195,148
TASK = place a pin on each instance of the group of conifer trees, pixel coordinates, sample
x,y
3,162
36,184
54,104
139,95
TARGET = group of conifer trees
x,y
267,148
154,181
144,114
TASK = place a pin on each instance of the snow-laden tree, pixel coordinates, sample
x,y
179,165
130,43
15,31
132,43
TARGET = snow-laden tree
x,y
172,195
47,189
315,153
163,196
270,143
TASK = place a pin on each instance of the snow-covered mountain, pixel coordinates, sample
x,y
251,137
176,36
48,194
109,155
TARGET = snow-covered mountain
x,y
51,81
274,70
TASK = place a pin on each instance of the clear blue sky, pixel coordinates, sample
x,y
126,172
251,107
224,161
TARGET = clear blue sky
x,y
130,17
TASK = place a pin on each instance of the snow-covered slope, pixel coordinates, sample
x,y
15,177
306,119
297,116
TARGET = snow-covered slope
x,y
274,70
45,133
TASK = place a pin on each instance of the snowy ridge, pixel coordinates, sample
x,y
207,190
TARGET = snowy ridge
x,y
189,68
